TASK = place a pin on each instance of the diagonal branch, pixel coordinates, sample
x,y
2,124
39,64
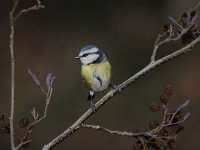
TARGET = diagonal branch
x,y
75,126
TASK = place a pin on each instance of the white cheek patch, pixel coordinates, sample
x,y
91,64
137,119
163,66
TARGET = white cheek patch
x,y
89,59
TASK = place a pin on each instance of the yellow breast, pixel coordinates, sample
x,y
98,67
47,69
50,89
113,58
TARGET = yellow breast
x,y
96,76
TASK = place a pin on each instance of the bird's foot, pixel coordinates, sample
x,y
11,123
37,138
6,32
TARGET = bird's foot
x,y
117,88
92,106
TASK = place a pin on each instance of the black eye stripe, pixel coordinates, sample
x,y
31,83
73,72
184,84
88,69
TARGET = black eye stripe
x,y
84,55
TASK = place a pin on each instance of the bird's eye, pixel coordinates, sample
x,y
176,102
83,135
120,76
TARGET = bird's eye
x,y
84,55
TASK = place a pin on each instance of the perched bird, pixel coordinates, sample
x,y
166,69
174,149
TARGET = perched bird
x,y
95,70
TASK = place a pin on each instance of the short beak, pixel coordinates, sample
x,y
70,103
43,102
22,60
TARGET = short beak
x,y
77,57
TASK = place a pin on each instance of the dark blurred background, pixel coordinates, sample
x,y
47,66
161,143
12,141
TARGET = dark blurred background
x,y
48,40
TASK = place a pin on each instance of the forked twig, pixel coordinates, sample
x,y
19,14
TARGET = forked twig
x,y
13,18
36,119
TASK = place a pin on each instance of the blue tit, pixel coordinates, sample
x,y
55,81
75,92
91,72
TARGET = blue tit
x,y
95,70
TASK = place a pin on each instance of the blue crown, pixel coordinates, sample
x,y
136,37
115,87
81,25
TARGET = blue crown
x,y
88,47
86,50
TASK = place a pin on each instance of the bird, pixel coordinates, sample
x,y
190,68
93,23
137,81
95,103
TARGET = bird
x,y
95,71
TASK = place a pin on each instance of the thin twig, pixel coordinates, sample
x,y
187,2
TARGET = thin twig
x,y
155,48
157,136
175,22
27,10
154,133
112,132
173,34
143,143
22,143
36,120
171,37
197,6
12,59
13,18
160,42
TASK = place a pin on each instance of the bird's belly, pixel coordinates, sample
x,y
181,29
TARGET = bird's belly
x,y
96,76
99,84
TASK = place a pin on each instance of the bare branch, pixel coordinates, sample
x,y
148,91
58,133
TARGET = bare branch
x,y
34,114
143,143
113,92
36,119
197,6
112,132
27,10
22,144
12,59
80,121
13,18
150,133
171,35
175,22
170,122
158,136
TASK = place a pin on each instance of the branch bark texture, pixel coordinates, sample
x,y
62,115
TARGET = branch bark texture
x,y
12,61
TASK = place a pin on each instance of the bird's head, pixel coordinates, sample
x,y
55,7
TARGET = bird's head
x,y
90,54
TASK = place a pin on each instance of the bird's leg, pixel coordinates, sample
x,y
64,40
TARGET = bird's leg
x,y
91,96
